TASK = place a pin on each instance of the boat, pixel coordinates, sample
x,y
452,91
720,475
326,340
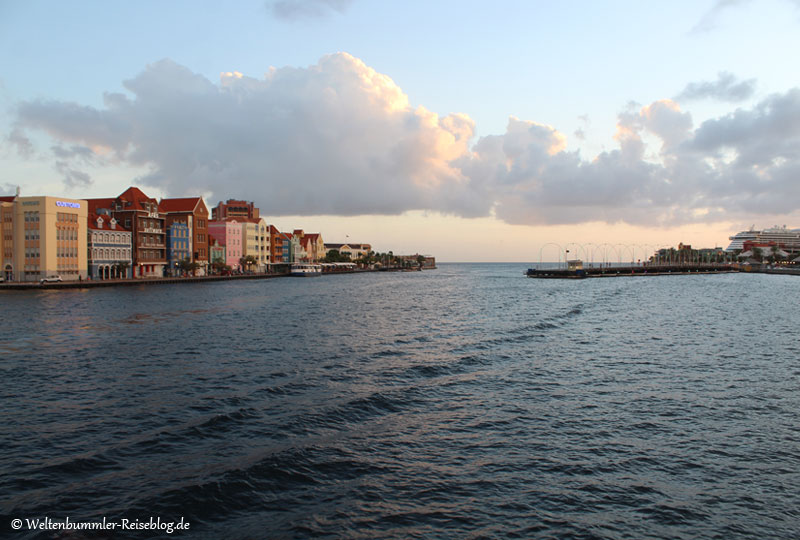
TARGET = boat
x,y
306,270
780,236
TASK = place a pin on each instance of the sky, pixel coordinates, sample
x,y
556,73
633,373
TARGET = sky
x,y
473,131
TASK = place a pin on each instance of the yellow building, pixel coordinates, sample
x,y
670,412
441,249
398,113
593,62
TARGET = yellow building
x,y
47,237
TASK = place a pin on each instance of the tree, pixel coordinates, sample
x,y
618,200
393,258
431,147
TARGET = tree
x,y
121,268
247,261
187,266
334,256
776,254
758,254
219,265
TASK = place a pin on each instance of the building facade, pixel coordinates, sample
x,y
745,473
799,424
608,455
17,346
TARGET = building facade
x,y
229,235
179,246
139,214
312,245
354,251
108,248
192,212
43,237
234,209
216,253
256,241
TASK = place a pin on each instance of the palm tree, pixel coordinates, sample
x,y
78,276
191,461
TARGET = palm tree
x,y
776,254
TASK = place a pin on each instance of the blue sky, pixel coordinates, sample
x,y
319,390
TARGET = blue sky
x,y
636,121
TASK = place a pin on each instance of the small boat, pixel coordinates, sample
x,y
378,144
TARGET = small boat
x,y
306,270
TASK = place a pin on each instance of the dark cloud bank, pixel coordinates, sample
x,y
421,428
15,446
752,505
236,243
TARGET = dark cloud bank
x,y
339,138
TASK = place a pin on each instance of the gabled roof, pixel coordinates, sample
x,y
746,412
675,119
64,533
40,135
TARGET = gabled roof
x,y
136,197
185,204
92,223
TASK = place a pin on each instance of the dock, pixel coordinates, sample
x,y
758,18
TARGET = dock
x,y
637,270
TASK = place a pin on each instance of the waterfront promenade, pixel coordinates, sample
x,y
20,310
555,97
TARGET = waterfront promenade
x,y
172,280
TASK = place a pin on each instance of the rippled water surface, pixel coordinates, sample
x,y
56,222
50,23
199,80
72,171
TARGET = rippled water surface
x,y
465,402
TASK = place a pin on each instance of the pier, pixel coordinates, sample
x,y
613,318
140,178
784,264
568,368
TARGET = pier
x,y
608,271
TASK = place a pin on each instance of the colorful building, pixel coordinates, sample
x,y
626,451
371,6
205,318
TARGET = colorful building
x,y
279,245
179,242
256,241
108,249
139,214
43,237
192,212
229,235
312,244
234,209
216,252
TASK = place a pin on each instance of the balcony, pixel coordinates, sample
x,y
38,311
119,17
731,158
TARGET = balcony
x,y
152,231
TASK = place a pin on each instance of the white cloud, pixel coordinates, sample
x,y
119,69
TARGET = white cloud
x,y
303,9
339,138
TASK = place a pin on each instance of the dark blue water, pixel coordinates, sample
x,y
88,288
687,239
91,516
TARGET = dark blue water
x,y
466,402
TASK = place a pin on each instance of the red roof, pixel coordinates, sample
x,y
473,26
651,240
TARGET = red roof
x,y
186,204
96,204
92,218
8,199
135,196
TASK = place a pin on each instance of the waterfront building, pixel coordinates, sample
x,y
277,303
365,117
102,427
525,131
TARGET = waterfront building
x,y
352,250
109,248
312,244
192,212
139,214
179,241
296,251
286,247
42,237
265,255
229,234
234,209
256,241
279,245
216,252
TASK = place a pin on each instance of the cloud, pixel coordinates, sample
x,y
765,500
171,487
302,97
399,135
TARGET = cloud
x,y
339,138
725,88
72,178
303,9
18,140
710,19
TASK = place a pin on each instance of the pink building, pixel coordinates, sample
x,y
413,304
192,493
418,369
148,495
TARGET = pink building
x,y
229,234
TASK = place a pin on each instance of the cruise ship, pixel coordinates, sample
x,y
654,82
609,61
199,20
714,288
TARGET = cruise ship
x,y
783,237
